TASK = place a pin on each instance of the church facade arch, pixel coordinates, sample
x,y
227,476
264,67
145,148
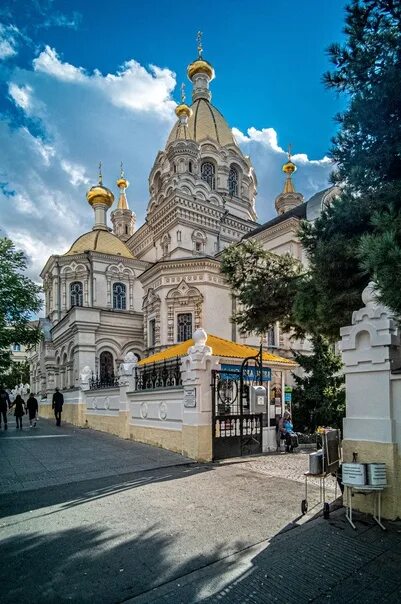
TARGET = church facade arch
x,y
184,308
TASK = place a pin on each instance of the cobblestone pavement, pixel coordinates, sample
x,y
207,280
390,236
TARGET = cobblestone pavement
x,y
290,466
48,455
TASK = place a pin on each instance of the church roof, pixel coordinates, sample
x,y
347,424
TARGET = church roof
x,y
221,348
297,212
205,122
100,241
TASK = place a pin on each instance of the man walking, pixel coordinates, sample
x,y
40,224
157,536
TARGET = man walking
x,y
57,405
32,406
4,405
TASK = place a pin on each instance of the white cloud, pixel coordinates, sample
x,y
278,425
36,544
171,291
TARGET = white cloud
x,y
268,157
8,41
49,62
76,173
21,95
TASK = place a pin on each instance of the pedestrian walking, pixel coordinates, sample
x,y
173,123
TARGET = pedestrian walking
x,y
57,406
4,406
19,410
32,407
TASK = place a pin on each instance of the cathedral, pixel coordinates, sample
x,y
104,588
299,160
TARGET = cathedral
x,y
140,290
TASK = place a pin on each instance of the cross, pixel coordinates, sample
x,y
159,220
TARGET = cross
x,y
100,178
199,40
183,93
121,170
289,152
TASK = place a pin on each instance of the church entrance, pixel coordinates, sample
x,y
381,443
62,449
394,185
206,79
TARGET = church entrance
x,y
236,431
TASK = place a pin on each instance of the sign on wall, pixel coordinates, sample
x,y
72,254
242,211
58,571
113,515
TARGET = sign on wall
x,y
190,397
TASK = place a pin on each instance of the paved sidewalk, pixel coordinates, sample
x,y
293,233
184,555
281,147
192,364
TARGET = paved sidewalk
x,y
321,561
47,455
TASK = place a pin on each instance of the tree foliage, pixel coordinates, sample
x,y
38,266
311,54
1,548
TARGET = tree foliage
x,y
18,373
358,238
319,396
263,283
19,298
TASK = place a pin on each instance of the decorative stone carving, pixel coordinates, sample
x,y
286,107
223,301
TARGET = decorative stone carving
x,y
163,411
84,377
199,348
127,369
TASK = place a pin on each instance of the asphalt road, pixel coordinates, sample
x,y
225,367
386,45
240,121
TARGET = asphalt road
x,y
123,529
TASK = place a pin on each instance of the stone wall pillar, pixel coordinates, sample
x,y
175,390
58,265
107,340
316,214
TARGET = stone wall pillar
x,y
197,410
371,350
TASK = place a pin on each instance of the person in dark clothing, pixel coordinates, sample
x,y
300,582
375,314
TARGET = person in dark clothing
x,y
32,406
19,410
57,405
4,406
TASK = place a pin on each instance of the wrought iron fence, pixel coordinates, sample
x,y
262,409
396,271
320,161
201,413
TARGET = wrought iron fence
x,y
159,375
107,381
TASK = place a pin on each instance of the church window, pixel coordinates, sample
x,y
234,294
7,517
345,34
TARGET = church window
x,y
76,293
184,327
16,348
208,173
152,333
190,166
233,181
198,246
119,296
175,169
106,365
271,337
126,229
179,235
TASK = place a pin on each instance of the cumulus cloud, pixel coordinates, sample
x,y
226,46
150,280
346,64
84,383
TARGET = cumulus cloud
x,y
9,35
72,119
268,157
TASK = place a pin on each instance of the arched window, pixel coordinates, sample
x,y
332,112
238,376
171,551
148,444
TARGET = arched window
x,y
207,173
76,293
106,365
190,166
119,296
233,181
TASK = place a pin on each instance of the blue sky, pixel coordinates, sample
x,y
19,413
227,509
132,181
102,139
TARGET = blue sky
x,y
77,86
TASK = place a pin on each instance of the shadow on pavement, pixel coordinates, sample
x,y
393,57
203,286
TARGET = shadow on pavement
x,y
68,496
85,565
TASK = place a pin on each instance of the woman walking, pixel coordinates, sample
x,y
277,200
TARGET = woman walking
x,y
19,410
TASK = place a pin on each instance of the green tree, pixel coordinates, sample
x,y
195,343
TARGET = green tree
x,y
19,298
18,373
264,285
357,238
318,398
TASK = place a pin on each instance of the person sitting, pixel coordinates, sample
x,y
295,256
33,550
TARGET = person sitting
x,y
288,430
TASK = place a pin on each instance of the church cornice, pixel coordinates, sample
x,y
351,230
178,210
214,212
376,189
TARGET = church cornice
x,y
203,263
291,225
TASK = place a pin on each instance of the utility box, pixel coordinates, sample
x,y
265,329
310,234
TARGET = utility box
x,y
377,474
258,399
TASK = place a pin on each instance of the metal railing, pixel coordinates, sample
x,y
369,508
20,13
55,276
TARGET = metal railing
x,y
107,381
159,375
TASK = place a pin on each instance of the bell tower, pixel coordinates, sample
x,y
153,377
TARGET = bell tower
x,y
122,217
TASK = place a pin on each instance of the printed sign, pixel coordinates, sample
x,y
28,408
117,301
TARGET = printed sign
x,y
190,397
232,372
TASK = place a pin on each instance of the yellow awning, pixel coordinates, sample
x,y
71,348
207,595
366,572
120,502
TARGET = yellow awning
x,y
221,348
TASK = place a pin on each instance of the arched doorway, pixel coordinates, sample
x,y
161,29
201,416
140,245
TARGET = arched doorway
x,y
106,366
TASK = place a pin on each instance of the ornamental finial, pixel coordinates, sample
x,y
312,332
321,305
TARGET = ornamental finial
x,y
122,170
100,175
183,93
289,152
200,46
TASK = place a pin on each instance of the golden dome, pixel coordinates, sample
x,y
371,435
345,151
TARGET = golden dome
x,y
122,183
200,66
289,167
99,241
100,194
204,122
183,109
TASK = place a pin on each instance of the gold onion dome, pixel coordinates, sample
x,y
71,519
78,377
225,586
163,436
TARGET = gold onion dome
x,y
100,194
289,167
183,110
200,66
122,183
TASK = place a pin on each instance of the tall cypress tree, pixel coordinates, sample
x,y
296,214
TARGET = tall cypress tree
x,y
319,396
